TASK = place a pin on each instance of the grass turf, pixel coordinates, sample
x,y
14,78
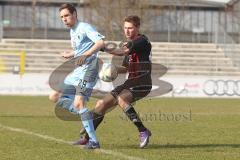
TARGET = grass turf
x,y
185,128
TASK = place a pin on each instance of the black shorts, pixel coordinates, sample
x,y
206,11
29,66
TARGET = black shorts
x,y
139,88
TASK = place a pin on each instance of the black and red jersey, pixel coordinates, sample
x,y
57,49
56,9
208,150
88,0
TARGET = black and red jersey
x,y
138,61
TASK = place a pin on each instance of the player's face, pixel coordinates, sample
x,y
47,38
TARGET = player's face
x,y
130,30
68,19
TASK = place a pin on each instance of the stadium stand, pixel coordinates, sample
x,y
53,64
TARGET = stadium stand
x,y
192,37
42,56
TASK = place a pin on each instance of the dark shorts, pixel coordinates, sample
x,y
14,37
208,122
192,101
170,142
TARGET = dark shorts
x,y
139,88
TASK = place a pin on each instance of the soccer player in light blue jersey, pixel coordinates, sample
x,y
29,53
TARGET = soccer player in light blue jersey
x,y
86,42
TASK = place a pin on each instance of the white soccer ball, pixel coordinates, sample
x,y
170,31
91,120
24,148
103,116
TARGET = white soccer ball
x,y
108,73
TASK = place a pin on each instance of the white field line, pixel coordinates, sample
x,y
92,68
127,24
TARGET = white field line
x,y
46,137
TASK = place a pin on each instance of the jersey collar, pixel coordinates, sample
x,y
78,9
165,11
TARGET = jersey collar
x,y
75,26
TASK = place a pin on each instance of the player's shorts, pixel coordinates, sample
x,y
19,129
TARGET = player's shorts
x,y
68,91
139,87
83,78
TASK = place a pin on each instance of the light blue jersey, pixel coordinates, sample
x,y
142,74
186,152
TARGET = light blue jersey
x,y
83,37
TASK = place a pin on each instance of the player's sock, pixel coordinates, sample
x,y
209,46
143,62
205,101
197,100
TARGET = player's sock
x,y
87,121
67,104
133,116
97,119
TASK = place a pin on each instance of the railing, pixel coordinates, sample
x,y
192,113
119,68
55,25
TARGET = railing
x,y
179,58
228,45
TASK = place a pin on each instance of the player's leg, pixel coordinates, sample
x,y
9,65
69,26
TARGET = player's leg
x,y
64,99
124,100
54,96
105,105
102,107
87,121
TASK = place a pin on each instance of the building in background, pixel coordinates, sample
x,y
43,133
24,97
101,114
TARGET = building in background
x,y
202,21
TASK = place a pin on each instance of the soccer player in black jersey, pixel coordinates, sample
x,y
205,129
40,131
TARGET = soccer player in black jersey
x,y
137,62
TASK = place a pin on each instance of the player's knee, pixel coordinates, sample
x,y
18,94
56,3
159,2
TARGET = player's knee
x,y
53,97
99,104
50,97
121,101
79,102
76,104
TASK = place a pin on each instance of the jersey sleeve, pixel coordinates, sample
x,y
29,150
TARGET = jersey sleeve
x,y
92,33
140,46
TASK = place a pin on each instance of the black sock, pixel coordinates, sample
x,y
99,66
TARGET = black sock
x,y
133,116
97,119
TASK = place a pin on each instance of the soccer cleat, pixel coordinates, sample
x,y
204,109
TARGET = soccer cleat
x,y
82,141
92,145
144,138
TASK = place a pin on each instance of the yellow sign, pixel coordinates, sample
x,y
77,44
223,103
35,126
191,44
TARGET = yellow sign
x,y
2,66
22,60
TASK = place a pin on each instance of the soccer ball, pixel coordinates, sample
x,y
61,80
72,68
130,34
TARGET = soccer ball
x,y
108,72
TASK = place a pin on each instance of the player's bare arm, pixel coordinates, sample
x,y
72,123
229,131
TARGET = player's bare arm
x,y
121,69
67,54
120,51
96,47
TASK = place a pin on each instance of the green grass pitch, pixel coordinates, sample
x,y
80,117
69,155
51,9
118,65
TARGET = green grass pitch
x,y
182,128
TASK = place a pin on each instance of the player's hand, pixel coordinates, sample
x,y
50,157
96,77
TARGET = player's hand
x,y
124,45
81,60
67,54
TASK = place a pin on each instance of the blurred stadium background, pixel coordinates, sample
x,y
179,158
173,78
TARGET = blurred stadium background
x,y
197,40
189,37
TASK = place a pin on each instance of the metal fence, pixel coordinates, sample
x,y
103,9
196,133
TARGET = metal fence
x,y
163,23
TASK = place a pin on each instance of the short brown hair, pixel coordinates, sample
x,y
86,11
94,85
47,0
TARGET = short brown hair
x,y
68,6
135,20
